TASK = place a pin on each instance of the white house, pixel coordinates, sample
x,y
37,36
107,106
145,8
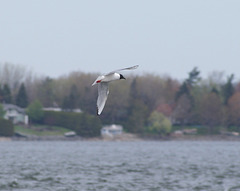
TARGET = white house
x,y
111,131
60,109
15,114
52,109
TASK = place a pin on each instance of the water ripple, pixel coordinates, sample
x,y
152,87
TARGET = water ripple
x,y
120,166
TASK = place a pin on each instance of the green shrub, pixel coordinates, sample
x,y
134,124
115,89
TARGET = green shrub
x,y
2,112
207,130
234,128
159,124
83,124
35,111
6,128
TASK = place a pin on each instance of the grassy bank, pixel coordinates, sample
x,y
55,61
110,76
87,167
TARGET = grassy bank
x,y
41,130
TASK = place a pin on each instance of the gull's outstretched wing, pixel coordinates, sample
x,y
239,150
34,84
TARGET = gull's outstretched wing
x,y
102,96
129,68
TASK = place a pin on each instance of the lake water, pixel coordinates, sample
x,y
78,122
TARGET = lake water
x,y
140,166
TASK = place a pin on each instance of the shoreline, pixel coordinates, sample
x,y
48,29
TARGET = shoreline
x,y
125,137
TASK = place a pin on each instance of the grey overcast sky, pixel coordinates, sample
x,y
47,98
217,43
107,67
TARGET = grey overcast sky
x,y
55,37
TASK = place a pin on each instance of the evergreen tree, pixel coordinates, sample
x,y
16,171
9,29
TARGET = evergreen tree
x,y
22,99
70,101
138,111
137,117
73,97
133,90
228,89
1,94
46,93
184,89
185,103
188,84
2,112
193,77
6,92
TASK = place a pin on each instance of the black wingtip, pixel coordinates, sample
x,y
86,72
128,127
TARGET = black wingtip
x,y
97,112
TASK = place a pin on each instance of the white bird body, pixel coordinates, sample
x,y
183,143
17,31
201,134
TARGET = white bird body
x,y
102,82
107,78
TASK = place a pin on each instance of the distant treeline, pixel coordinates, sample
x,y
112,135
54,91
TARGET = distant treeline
x,y
213,102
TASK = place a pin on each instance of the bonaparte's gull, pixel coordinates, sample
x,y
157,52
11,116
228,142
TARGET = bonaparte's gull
x,y
102,82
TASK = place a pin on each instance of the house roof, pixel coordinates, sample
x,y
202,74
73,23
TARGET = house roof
x,y
7,107
113,127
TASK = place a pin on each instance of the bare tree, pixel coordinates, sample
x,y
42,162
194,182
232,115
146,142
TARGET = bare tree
x,y
13,75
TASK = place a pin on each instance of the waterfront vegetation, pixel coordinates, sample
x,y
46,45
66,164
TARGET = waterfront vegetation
x,y
40,130
6,128
143,104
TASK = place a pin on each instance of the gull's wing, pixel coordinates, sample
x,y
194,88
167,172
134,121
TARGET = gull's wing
x,y
129,68
98,78
102,96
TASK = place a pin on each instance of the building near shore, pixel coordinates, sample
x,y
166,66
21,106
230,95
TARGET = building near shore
x,y
58,109
15,114
112,131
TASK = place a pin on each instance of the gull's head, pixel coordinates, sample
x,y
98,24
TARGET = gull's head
x,y
122,77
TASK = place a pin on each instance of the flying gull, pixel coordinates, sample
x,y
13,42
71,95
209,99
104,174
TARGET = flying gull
x,y
103,81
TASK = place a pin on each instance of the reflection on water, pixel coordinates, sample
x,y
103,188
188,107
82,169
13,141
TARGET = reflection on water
x,y
74,166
